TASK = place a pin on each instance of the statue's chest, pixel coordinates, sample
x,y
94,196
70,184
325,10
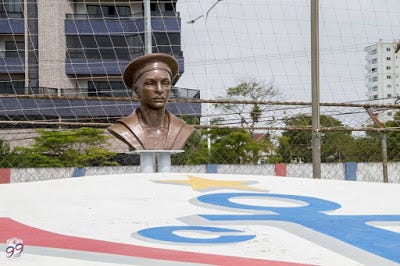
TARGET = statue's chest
x,y
154,139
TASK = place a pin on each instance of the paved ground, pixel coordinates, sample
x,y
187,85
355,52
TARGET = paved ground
x,y
201,219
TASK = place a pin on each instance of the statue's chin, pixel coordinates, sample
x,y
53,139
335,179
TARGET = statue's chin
x,y
157,106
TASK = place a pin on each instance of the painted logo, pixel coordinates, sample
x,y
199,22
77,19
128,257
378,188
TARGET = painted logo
x,y
313,213
14,248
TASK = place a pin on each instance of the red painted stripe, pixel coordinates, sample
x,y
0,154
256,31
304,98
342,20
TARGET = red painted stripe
x,y
280,169
5,174
37,237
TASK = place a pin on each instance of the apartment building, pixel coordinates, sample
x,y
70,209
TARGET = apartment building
x,y
382,78
80,48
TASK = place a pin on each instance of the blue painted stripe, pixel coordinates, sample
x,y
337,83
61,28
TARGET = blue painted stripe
x,y
350,169
212,168
78,171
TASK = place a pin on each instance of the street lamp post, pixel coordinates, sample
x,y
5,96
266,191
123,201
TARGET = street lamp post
x,y
147,27
205,16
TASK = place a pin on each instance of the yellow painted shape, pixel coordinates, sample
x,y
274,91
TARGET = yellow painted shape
x,y
199,183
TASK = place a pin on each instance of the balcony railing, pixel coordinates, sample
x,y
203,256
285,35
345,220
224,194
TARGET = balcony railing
x,y
101,67
119,26
130,16
177,92
12,25
12,65
8,14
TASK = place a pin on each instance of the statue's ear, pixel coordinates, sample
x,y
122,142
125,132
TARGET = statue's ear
x,y
135,90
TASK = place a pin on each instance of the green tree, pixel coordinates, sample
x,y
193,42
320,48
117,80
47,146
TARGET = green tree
x,y
196,150
240,145
80,147
393,139
367,148
252,90
237,146
8,157
229,146
296,145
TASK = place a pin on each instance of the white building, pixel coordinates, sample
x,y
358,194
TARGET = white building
x,y
382,78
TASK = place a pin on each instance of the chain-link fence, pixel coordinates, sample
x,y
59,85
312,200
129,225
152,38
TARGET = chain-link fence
x,y
60,85
237,137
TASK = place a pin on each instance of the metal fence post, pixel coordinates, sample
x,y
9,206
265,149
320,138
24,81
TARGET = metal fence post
x,y
316,133
383,144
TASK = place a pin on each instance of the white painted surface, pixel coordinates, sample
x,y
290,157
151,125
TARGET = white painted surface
x,y
113,207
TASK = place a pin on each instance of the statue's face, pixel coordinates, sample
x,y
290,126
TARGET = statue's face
x,y
153,88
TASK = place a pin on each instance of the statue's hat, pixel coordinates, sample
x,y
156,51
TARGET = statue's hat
x,y
149,62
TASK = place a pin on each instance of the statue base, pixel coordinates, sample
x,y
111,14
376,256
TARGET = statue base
x,y
155,161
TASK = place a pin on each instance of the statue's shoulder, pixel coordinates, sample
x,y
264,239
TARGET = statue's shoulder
x,y
131,119
124,130
178,122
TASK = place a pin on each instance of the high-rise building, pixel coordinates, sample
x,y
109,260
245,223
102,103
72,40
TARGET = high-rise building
x,y
80,48
382,78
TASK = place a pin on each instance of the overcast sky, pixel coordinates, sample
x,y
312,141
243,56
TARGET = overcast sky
x,y
270,40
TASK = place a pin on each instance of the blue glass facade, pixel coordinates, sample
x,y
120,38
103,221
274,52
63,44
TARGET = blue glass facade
x,y
75,26
97,47
12,26
120,26
12,65
72,108
100,67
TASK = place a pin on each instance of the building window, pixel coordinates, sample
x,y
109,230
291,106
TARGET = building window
x,y
108,11
373,69
388,86
374,79
388,49
388,67
108,89
373,61
374,88
11,6
169,7
388,77
389,95
123,11
104,47
155,8
373,51
168,43
388,58
164,8
375,97
12,87
15,49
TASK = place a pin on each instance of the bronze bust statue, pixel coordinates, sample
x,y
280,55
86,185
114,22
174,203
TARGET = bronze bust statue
x,y
151,127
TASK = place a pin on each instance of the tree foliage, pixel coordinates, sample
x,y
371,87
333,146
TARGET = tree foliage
x,y
393,139
296,145
239,146
368,148
228,146
252,90
80,147
7,155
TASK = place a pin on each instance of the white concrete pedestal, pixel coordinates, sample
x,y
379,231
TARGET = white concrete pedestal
x,y
152,161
